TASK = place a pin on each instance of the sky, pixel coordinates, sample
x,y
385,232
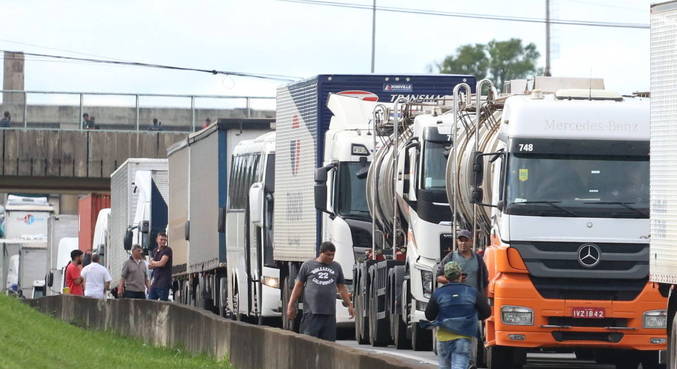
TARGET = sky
x,y
276,37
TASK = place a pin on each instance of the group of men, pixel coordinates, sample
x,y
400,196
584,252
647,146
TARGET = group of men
x,y
455,309
94,279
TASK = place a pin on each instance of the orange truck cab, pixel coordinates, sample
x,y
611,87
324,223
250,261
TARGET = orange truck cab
x,y
565,211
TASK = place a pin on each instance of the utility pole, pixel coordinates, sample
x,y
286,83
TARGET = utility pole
x,y
547,38
373,35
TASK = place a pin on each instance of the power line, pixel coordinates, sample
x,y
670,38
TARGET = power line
x,y
568,22
277,77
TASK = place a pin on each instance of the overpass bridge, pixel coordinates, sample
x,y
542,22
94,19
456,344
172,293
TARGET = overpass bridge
x,y
48,148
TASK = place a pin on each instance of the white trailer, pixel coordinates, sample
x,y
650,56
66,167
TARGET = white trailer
x,y
139,194
199,167
62,230
663,255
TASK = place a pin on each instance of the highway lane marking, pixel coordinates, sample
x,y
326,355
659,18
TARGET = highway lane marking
x,y
410,357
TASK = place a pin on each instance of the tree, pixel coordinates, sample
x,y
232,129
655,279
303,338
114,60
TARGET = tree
x,y
499,61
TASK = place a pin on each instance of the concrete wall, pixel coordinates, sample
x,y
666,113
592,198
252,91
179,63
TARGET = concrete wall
x,y
246,346
91,154
112,117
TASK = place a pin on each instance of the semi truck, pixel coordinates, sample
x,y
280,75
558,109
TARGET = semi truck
x,y
139,196
663,260
565,241
318,193
88,211
254,278
24,248
199,168
62,239
553,180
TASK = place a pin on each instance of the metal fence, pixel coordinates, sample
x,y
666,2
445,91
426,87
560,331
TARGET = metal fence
x,y
125,111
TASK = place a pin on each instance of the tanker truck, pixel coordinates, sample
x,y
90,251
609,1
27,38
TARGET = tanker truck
x,y
554,180
318,193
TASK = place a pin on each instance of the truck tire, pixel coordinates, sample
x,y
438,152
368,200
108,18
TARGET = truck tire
x,y
398,326
502,357
379,335
359,301
421,338
290,325
628,360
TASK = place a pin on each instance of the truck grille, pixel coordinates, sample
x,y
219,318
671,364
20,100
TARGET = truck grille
x,y
555,270
612,337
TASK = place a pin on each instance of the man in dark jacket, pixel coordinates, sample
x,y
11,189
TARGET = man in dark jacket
x,y
474,269
455,309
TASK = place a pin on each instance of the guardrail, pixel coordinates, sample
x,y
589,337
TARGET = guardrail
x,y
124,111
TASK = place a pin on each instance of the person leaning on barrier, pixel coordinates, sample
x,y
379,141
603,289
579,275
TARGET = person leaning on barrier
x,y
162,269
73,278
6,120
134,278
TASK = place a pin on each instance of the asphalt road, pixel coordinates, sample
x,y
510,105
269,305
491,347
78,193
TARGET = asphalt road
x,y
534,361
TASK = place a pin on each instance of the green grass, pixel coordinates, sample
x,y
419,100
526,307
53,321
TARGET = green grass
x,y
29,339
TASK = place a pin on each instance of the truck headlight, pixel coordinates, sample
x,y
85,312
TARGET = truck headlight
x,y
271,282
427,281
517,315
656,319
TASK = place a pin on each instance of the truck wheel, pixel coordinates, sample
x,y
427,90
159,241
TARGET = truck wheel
x,y
627,360
378,328
398,328
290,325
361,319
502,357
649,360
421,338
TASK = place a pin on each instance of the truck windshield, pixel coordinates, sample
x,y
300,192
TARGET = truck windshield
x,y
584,186
435,165
352,191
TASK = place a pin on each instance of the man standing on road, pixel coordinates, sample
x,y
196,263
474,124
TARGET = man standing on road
x,y
472,264
73,278
134,276
319,280
162,269
96,278
455,309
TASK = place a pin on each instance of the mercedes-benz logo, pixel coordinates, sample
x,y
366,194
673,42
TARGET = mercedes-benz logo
x,y
589,255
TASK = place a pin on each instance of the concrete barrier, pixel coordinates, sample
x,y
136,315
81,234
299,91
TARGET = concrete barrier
x,y
246,346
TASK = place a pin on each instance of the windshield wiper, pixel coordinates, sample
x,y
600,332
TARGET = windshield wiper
x,y
551,203
623,204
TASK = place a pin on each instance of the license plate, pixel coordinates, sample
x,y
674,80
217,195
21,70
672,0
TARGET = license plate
x,y
587,312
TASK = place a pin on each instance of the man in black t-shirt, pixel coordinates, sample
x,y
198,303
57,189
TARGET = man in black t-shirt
x,y
162,270
319,280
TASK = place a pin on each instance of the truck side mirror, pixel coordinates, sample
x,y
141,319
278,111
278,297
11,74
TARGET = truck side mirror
x,y
478,169
128,239
364,168
144,227
186,230
477,195
49,279
222,220
321,188
255,203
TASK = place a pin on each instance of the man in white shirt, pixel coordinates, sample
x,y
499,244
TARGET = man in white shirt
x,y
97,279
